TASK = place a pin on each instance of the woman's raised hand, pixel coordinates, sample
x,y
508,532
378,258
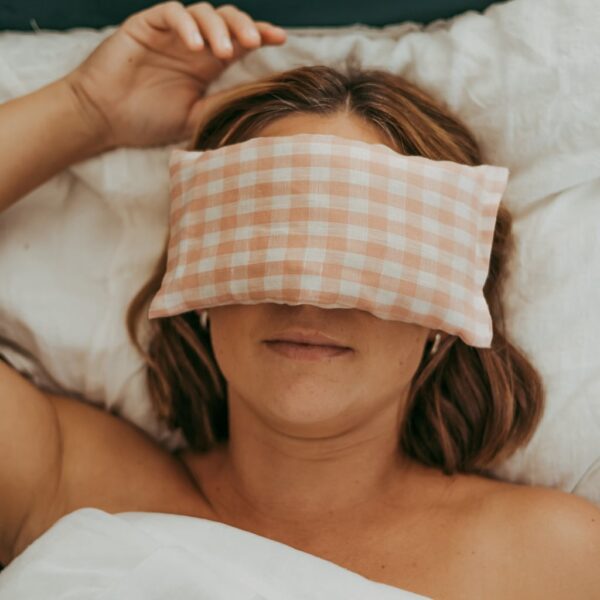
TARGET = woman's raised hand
x,y
144,85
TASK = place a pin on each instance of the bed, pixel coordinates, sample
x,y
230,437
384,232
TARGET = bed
x,y
521,74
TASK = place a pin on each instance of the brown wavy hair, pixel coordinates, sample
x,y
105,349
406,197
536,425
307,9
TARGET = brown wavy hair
x,y
467,407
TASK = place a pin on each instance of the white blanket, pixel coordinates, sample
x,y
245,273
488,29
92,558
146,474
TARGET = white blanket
x,y
90,554
524,76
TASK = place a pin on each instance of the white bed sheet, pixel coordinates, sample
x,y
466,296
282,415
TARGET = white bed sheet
x,y
92,555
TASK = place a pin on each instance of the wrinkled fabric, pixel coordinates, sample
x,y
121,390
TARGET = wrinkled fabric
x,y
92,555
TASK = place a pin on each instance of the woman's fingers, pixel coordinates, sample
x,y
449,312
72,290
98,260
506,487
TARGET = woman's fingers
x,y
224,26
213,28
271,34
241,26
173,16
224,29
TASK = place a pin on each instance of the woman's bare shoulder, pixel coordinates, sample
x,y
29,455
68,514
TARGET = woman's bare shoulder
x,y
548,539
551,511
496,540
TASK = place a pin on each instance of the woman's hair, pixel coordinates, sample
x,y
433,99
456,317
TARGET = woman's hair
x,y
467,407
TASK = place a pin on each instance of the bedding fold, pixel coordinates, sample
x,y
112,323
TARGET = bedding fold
x,y
92,555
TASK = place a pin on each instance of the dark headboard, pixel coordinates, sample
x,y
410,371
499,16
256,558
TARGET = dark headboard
x,y
26,15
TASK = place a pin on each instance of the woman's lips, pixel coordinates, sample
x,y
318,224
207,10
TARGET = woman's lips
x,y
306,351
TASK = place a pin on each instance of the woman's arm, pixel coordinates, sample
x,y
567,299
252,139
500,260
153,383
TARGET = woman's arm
x,y
30,457
142,86
43,133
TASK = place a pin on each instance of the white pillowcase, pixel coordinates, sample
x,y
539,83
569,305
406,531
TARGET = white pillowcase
x,y
523,76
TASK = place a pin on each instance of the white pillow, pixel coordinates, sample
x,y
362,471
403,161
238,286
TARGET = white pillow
x,y
523,76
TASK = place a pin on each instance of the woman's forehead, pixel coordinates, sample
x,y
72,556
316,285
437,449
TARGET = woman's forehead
x,y
341,124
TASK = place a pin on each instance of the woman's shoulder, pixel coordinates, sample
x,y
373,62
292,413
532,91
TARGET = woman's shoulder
x,y
540,511
491,539
548,539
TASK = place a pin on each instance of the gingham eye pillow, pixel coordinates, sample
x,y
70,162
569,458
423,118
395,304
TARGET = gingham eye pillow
x,y
333,222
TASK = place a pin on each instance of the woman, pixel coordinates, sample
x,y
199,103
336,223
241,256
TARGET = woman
x,y
306,453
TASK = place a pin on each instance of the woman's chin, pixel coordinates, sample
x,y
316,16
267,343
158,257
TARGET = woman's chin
x,y
316,417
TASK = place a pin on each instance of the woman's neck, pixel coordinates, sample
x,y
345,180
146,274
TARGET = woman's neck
x,y
267,482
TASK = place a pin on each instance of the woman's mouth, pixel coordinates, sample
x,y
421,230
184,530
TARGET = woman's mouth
x,y
307,344
301,351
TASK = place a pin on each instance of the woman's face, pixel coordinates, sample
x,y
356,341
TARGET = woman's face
x,y
325,396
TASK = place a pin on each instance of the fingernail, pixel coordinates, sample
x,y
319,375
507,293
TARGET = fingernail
x,y
253,35
197,38
226,43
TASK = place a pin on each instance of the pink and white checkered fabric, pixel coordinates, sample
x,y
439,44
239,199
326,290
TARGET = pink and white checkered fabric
x,y
333,222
